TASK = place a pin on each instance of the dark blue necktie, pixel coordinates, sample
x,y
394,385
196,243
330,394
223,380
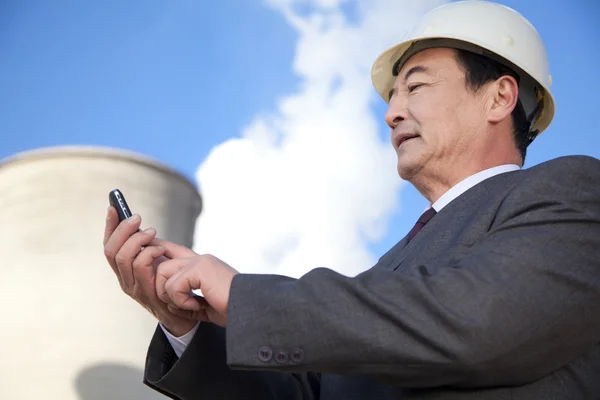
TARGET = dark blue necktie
x,y
425,217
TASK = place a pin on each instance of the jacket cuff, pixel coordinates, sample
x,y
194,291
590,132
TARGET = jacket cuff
x,y
266,327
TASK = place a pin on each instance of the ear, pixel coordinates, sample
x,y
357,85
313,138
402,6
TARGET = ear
x,y
505,94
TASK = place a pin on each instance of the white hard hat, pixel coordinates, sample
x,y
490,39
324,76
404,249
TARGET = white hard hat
x,y
486,28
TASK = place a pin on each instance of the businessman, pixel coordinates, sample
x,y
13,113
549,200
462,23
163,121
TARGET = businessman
x,y
494,294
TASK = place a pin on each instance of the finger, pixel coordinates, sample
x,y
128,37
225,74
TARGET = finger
x,y
215,317
164,271
173,250
158,260
142,270
128,252
202,302
179,288
110,249
199,315
112,221
118,236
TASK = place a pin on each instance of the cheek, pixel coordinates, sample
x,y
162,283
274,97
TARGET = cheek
x,y
433,118
441,119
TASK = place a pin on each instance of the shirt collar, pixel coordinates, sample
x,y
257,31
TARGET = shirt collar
x,y
469,182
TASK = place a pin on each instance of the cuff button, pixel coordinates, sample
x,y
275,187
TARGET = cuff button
x,y
281,357
297,355
265,354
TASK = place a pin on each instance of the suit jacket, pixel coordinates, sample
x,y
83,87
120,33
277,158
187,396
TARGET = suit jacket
x,y
498,297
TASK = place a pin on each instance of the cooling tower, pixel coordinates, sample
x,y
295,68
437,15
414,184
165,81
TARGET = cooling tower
x,y
68,331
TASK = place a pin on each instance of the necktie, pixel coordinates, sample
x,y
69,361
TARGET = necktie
x,y
425,217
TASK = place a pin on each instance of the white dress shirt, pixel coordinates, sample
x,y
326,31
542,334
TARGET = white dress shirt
x,y
180,343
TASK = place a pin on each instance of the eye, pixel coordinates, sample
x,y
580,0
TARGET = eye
x,y
414,87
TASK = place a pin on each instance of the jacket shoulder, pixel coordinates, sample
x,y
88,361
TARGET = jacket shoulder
x,y
569,180
568,168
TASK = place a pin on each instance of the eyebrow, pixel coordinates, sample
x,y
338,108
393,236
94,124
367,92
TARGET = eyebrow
x,y
413,70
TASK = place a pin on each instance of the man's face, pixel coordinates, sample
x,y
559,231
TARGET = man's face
x,y
434,117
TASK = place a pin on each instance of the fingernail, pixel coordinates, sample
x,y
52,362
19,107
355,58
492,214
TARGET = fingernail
x,y
133,219
149,230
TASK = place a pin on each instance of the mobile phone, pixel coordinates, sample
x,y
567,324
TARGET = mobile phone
x,y
117,200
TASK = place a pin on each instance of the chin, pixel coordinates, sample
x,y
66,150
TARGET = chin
x,y
409,167
411,163
404,172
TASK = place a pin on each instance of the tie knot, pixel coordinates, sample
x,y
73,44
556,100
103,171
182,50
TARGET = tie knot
x,y
425,217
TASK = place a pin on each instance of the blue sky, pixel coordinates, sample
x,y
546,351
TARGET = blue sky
x,y
168,79
174,79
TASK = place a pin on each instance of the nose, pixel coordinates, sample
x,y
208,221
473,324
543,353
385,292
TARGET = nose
x,y
395,113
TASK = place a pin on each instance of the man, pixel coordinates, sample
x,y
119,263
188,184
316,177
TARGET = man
x,y
495,294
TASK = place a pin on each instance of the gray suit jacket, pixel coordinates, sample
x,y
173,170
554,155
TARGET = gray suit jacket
x,y
498,297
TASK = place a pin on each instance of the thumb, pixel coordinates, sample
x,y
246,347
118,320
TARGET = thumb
x,y
172,250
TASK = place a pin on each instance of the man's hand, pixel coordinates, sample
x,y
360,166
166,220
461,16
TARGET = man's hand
x,y
175,278
134,260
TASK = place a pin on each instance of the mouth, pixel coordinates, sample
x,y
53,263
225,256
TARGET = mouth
x,y
403,138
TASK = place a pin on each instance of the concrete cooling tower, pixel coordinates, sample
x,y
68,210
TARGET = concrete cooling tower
x,y
68,331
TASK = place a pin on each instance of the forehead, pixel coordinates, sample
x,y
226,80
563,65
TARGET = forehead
x,y
434,59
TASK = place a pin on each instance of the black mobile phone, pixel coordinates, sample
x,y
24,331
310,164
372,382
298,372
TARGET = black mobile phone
x,y
117,200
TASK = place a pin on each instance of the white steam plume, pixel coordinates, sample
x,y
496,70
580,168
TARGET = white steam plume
x,y
312,184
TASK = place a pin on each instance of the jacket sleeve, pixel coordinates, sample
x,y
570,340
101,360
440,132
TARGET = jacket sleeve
x,y
201,372
523,301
